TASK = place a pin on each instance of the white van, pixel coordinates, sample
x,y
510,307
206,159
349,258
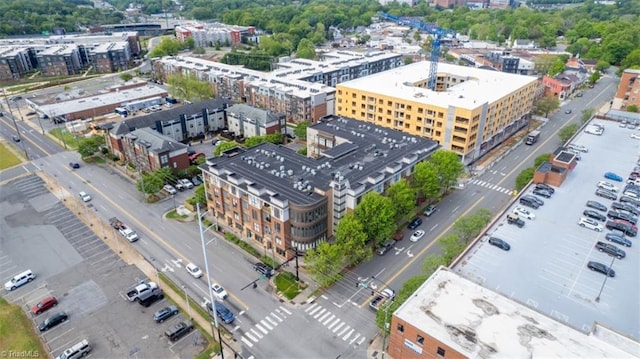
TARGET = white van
x,y
79,350
19,280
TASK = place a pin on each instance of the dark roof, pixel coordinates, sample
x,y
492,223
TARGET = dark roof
x,y
128,125
155,141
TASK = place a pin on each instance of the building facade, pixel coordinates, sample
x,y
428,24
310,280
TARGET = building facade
x,y
150,150
471,111
210,34
277,199
628,91
249,121
15,62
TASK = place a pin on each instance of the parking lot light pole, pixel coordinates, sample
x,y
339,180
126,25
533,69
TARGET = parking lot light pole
x,y
605,279
187,298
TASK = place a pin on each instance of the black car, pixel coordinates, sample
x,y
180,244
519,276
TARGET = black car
x,y
599,267
415,223
632,201
594,215
542,193
499,243
52,321
15,138
624,216
545,187
178,331
165,313
526,201
627,229
618,239
535,199
385,247
74,165
601,192
610,249
264,269
625,207
597,205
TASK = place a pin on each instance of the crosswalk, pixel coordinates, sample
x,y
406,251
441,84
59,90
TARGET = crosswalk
x,y
490,186
338,327
264,326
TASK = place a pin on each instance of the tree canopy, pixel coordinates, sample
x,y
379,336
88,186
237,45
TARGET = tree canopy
x,y
188,87
377,215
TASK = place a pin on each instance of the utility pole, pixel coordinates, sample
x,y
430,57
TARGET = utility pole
x,y
15,124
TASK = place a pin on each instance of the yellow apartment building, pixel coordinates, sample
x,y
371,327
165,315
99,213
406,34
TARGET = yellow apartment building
x,y
472,110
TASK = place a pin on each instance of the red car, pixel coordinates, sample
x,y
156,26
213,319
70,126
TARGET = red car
x,y
44,305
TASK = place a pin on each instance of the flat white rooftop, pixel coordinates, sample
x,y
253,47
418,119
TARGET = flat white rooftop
x,y
479,86
478,322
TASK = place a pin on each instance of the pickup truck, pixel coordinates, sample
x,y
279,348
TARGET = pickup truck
x,y
386,295
514,219
140,289
125,231
149,297
183,184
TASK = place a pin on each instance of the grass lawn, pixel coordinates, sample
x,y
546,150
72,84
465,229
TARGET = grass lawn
x,y
17,334
63,135
7,159
286,283
174,215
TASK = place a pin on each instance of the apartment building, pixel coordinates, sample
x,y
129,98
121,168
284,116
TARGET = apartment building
x,y
110,57
208,34
297,100
249,121
150,150
59,60
450,316
15,62
277,199
470,112
628,91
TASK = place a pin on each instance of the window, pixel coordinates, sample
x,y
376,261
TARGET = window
x,y
401,328
420,339
440,352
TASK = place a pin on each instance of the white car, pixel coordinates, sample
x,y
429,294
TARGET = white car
x,y
417,235
84,196
608,186
577,147
594,130
219,292
523,212
590,223
635,136
194,270
169,189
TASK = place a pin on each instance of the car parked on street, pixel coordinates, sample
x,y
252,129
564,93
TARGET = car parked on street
x,y
589,213
599,267
618,239
590,224
52,321
74,165
15,138
165,313
264,269
610,249
417,235
612,176
415,223
385,247
430,210
597,205
44,305
499,243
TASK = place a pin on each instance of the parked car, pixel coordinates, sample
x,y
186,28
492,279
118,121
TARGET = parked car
x,y
624,216
542,193
44,305
535,199
15,138
219,292
606,194
626,227
525,213
74,165
526,201
632,201
169,189
165,313
415,223
19,280
264,269
590,224
84,196
589,213
599,267
612,176
567,111
513,218
597,205
618,239
193,270
179,330
608,186
546,187
385,247
610,249
625,207
52,321
417,235
577,147
499,243
430,210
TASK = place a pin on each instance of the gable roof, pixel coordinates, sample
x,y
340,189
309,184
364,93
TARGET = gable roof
x,y
154,141
261,116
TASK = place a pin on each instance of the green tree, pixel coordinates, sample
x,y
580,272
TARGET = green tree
x,y
448,166
547,104
557,67
168,46
433,260
595,76
88,146
403,197
352,239
199,195
188,87
451,247
541,159
408,61
469,227
524,177
306,50
425,178
149,183
302,151
602,65
586,115
223,146
377,214
126,76
325,263
189,43
199,51
632,108
567,132
631,60
301,129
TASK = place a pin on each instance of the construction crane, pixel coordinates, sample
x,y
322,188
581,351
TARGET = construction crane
x,y
430,28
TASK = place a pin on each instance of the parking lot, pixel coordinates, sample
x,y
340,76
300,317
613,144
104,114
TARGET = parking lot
x,y
84,274
546,267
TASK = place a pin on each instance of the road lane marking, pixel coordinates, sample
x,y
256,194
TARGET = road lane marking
x,y
344,330
266,325
322,318
333,324
286,311
319,313
246,342
277,317
354,338
338,327
346,336
328,319
273,322
256,334
314,305
261,329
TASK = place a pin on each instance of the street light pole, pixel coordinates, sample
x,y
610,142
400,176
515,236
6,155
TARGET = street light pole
x,y
188,305
15,124
605,279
